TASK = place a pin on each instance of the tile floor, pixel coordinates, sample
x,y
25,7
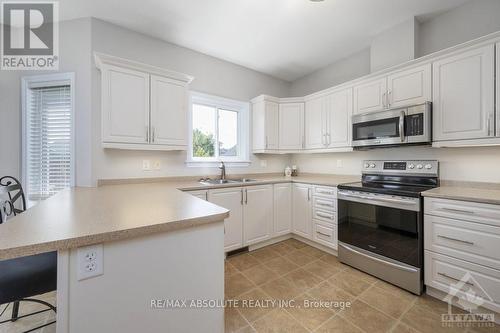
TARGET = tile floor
x,y
292,270
30,322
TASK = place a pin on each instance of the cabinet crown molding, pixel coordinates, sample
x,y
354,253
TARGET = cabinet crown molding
x,y
106,59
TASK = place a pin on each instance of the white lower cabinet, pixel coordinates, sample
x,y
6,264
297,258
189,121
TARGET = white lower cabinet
x,y
301,210
251,214
461,249
202,194
282,209
257,213
231,199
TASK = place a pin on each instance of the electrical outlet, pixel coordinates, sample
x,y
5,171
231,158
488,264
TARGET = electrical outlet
x,y
90,262
146,165
156,165
340,164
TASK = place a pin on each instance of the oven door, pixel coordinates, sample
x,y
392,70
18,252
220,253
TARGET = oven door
x,y
385,225
379,128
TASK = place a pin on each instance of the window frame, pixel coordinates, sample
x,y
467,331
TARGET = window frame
x,y
45,80
242,108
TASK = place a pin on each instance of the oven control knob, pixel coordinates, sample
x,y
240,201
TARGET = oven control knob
x,y
428,166
411,166
367,165
372,165
419,166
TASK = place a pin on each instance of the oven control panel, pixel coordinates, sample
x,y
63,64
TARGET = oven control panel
x,y
417,167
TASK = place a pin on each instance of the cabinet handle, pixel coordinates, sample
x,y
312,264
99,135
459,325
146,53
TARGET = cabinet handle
x,y
319,203
453,210
383,99
326,216
454,279
303,141
153,134
308,194
329,138
241,200
322,233
488,125
266,142
206,196
324,192
147,133
389,98
456,240
246,197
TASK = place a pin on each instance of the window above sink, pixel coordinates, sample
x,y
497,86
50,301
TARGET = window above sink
x,y
218,130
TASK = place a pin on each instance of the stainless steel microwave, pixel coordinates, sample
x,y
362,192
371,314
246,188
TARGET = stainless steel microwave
x,y
402,126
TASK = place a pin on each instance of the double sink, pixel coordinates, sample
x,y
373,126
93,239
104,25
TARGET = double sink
x,y
208,181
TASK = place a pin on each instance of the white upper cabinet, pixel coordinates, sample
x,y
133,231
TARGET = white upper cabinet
x,y
411,86
498,90
397,89
315,123
168,111
265,124
257,213
291,126
338,125
125,103
464,97
142,106
370,96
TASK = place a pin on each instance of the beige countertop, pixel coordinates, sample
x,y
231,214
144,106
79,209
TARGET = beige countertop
x,y
466,192
121,209
83,216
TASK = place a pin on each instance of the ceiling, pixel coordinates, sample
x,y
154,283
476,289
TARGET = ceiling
x,y
283,38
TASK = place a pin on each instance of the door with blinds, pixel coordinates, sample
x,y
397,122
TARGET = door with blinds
x,y
48,136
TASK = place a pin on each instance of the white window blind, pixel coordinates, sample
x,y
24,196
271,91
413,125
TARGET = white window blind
x,y
48,133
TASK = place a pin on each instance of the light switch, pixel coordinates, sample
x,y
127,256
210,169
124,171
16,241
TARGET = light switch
x,y
156,165
146,165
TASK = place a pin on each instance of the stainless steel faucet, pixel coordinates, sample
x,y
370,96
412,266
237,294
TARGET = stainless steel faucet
x,y
222,168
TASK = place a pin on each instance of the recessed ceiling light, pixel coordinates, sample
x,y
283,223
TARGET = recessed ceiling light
x,y
316,0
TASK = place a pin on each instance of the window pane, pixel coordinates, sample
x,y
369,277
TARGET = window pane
x,y
203,130
228,133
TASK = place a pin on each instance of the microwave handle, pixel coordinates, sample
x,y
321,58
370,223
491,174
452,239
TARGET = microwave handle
x,y
402,126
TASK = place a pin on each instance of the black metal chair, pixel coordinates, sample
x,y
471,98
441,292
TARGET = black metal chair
x,y
23,277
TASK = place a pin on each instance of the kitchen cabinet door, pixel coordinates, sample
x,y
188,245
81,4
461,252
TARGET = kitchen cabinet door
x,y
497,122
370,96
412,86
125,105
202,194
291,126
257,213
301,208
339,111
265,115
282,209
168,111
463,95
315,123
232,199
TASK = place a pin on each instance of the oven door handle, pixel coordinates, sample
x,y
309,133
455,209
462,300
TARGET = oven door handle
x,y
402,126
403,202
388,263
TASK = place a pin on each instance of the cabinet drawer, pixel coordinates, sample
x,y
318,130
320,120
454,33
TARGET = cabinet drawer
x,y
325,204
473,242
324,235
328,218
463,210
468,279
325,191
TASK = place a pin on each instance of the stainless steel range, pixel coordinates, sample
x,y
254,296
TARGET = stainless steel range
x,y
380,220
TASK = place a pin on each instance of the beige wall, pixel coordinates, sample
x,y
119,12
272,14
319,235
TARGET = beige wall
x,y
74,46
212,76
